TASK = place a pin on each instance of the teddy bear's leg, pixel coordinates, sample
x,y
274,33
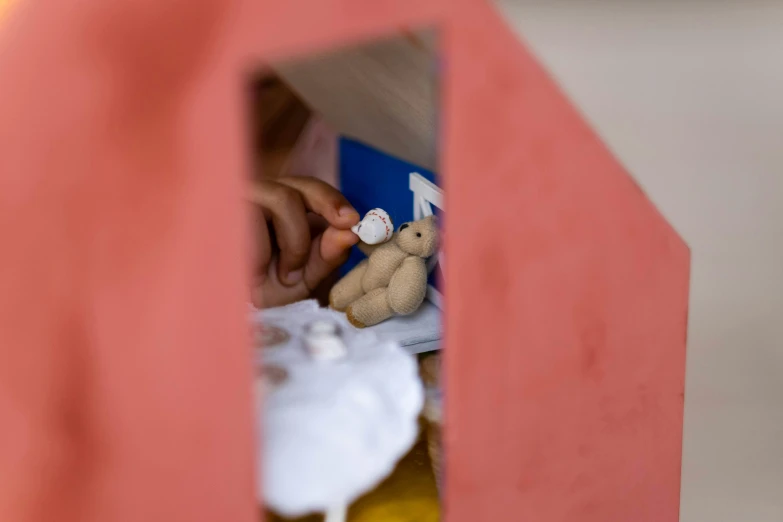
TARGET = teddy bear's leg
x,y
370,310
348,289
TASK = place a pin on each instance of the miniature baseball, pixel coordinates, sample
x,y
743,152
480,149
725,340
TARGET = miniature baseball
x,y
375,228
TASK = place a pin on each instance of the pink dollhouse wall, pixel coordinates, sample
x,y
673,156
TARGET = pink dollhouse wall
x,y
124,360
124,368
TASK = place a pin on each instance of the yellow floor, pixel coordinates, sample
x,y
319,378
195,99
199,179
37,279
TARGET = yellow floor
x,y
408,495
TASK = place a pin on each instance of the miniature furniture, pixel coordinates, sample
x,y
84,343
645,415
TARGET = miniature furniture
x,y
124,352
426,195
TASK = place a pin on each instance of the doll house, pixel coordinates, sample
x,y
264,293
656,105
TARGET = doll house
x,y
124,370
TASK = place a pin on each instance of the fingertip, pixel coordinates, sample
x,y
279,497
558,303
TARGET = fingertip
x,y
336,242
288,275
348,212
330,250
293,278
345,217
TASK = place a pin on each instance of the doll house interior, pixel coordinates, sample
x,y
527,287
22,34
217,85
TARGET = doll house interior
x,y
363,119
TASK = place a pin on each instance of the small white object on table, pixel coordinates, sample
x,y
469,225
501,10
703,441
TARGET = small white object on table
x,y
340,408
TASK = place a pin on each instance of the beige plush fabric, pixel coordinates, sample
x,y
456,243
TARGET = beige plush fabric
x,y
393,280
408,286
382,264
349,288
370,309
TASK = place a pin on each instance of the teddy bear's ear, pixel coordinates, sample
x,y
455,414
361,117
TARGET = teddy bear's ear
x,y
435,220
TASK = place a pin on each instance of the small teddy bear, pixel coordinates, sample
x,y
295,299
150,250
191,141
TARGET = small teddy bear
x,y
393,280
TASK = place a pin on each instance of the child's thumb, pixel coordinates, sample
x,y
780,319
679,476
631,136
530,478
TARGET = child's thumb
x,y
328,252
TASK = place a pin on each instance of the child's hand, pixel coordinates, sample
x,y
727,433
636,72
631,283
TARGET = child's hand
x,y
302,234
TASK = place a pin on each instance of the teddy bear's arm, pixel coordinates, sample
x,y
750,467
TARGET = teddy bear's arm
x,y
408,286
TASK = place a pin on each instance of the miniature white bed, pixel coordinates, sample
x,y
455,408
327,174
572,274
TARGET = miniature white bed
x,y
426,195
331,429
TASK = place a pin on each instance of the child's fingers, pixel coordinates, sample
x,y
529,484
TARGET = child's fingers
x,y
329,251
292,230
317,224
325,200
274,293
261,245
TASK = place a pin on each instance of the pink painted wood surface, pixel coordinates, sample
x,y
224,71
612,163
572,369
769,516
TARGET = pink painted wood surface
x,y
124,353
124,361
565,351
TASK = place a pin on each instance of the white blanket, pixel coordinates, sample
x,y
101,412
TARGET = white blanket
x,y
332,430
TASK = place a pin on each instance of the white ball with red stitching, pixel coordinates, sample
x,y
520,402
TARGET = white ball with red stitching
x,y
375,228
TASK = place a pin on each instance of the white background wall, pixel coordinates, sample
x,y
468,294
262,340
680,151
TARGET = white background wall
x,y
689,96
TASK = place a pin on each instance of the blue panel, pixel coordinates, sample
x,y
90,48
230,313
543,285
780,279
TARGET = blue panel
x,y
371,179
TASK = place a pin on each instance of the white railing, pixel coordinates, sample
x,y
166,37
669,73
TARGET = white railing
x,y
426,195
